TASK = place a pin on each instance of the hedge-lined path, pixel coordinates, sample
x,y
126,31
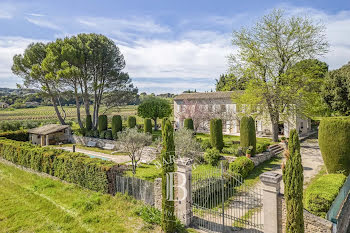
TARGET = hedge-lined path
x,y
114,158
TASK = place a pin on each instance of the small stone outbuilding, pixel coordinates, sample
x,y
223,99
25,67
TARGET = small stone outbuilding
x,y
51,134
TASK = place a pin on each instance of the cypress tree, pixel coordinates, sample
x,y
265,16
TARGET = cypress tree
x,y
188,124
102,123
117,125
88,123
247,133
216,137
293,185
168,155
131,121
147,126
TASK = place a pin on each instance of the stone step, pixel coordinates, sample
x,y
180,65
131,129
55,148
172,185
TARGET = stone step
x,y
278,151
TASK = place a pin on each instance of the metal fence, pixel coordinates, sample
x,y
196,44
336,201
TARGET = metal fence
x,y
140,189
223,203
332,214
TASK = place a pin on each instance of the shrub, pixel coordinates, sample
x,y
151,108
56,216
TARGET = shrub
x,y
102,123
334,138
212,156
188,124
230,150
247,133
216,137
108,135
320,194
19,135
96,134
147,126
131,121
117,125
205,144
88,123
225,164
293,179
91,173
261,147
242,166
149,214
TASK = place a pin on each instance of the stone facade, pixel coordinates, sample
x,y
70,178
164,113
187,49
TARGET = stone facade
x,y
219,104
343,224
312,223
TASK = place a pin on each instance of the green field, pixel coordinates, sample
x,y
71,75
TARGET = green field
x,y
31,203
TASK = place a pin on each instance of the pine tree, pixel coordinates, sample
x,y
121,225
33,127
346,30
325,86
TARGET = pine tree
x,y
293,185
168,155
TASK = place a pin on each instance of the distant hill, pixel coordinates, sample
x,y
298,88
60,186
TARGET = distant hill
x,y
11,91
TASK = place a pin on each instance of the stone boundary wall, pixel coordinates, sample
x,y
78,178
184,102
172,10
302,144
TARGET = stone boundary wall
x,y
257,159
312,223
84,141
343,225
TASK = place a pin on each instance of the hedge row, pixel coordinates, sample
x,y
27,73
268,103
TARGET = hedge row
x,y
19,135
334,141
320,194
92,173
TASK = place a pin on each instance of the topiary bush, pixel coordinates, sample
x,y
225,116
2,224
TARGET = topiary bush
x,y
334,138
147,128
216,137
103,134
188,124
88,123
242,166
247,133
320,194
131,122
102,123
212,156
95,134
205,144
108,134
117,125
261,147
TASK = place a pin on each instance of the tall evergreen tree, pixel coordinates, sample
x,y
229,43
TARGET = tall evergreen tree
x,y
293,185
168,155
247,133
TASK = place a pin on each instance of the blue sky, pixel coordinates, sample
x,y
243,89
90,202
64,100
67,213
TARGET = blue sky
x,y
169,46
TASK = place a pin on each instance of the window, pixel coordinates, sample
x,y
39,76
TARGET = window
x,y
223,108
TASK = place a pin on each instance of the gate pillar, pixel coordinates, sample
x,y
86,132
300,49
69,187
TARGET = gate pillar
x,y
271,202
183,190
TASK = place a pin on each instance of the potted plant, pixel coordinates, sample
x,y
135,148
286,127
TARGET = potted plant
x,y
283,139
248,153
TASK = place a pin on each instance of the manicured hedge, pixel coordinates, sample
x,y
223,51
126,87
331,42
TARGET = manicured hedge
x,y
216,137
188,124
19,135
320,194
102,123
117,125
131,122
334,141
88,123
147,126
91,173
247,133
242,166
212,156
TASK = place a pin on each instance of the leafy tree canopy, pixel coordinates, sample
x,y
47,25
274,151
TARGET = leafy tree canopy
x,y
154,108
230,82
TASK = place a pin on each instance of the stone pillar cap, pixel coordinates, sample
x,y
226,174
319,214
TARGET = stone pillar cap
x,y
184,162
270,177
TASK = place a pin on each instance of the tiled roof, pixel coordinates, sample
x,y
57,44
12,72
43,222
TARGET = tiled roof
x,y
206,95
48,129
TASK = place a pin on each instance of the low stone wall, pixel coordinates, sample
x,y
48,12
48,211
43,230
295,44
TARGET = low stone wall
x,y
84,141
257,159
312,223
343,225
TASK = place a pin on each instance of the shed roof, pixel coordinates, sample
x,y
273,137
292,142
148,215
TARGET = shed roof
x,y
48,129
206,95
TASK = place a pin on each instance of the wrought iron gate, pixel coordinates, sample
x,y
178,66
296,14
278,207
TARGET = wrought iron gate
x,y
221,202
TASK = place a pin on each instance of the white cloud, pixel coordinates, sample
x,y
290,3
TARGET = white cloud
x,y
9,46
6,11
41,22
36,14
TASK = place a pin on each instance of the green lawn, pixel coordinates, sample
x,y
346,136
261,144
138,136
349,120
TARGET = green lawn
x,y
95,149
31,203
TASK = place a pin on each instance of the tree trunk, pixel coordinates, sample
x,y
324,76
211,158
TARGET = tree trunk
x,y
57,111
274,123
77,103
155,124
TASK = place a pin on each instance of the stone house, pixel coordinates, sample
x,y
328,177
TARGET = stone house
x,y
202,107
4,105
51,134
